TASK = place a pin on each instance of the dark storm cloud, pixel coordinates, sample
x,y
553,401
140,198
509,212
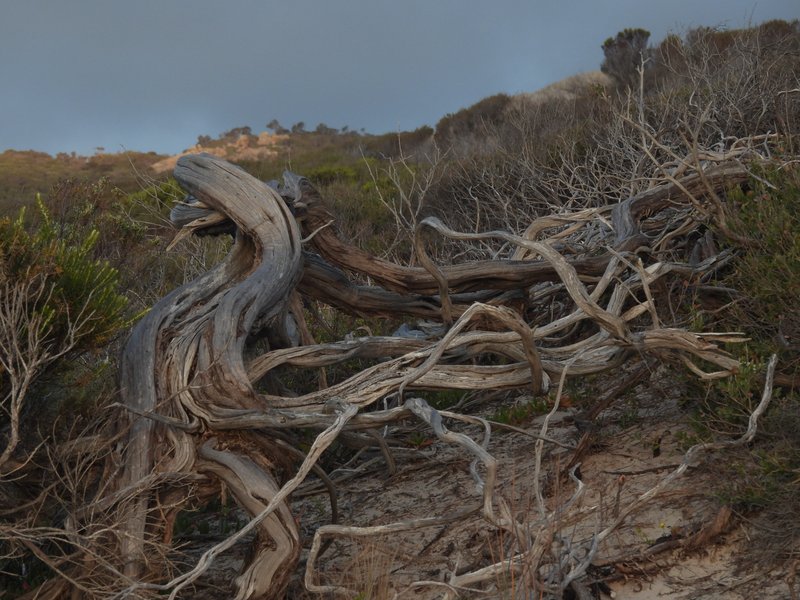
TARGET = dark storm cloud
x,y
152,75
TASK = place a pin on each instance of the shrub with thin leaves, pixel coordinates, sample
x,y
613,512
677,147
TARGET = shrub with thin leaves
x,y
78,286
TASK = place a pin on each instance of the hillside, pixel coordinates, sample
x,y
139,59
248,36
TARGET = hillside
x,y
245,147
547,348
24,173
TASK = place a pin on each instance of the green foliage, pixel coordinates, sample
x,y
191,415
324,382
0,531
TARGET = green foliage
x,y
276,128
355,184
130,215
81,296
629,415
135,232
419,440
728,402
768,476
765,218
768,270
327,174
158,195
519,414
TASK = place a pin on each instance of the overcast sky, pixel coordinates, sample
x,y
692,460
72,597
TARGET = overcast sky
x,y
155,74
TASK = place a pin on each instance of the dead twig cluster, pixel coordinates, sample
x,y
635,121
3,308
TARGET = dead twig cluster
x,y
553,308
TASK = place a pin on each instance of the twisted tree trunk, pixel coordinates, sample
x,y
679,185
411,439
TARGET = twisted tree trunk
x,y
184,362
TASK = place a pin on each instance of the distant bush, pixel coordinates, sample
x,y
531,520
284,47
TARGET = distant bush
x,y
235,133
276,128
624,54
322,129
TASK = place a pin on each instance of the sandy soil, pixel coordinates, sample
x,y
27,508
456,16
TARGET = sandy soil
x,y
638,443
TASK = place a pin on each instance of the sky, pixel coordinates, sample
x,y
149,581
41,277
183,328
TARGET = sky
x,y
153,75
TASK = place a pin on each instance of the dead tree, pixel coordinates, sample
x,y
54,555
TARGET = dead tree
x,y
196,419
184,362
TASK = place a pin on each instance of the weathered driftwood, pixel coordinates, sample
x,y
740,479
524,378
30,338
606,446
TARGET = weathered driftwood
x,y
192,399
184,360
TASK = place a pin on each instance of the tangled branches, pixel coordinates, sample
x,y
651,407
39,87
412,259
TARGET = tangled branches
x,y
579,293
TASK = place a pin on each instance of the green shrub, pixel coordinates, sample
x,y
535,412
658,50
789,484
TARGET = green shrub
x,y
326,175
768,271
522,413
78,288
765,217
624,54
